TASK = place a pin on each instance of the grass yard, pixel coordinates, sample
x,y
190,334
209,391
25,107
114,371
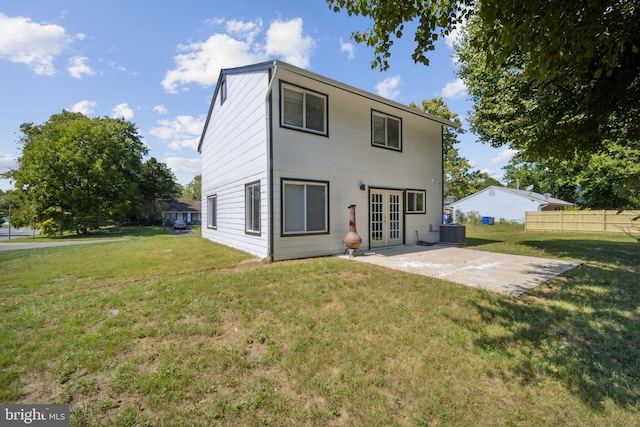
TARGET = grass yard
x,y
172,330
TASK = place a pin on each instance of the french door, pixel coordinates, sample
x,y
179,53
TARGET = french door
x,y
385,218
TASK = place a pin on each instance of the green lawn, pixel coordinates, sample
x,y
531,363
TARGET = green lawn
x,y
169,330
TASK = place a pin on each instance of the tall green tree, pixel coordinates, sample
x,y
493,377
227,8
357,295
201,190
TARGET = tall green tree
x,y
459,178
600,181
77,173
552,77
156,182
193,190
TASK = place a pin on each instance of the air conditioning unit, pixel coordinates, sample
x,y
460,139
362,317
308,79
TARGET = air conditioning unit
x,y
453,234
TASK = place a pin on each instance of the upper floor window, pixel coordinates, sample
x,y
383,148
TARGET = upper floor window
x,y
303,109
386,131
223,91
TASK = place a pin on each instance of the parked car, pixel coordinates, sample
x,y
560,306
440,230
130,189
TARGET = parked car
x,y
179,224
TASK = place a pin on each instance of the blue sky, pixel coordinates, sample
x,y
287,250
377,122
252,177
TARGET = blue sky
x,y
155,63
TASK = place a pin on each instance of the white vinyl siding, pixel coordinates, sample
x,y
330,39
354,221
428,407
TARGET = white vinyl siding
x,y
501,205
303,109
305,207
234,153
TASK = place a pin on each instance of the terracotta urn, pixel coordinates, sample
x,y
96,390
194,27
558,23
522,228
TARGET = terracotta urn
x,y
352,240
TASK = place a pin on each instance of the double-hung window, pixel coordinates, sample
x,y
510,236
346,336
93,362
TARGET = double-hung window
x,y
386,131
415,201
305,207
252,208
303,109
212,211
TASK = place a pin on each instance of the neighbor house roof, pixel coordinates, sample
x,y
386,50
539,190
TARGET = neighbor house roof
x,y
545,199
276,64
182,205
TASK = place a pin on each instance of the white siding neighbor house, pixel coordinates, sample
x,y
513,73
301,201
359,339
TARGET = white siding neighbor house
x,y
285,152
507,204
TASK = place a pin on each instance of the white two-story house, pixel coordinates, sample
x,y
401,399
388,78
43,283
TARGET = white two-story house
x,y
285,151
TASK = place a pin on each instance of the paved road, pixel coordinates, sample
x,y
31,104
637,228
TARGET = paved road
x,y
16,232
15,246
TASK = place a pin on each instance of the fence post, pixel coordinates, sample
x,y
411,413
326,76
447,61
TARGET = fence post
x,y
604,221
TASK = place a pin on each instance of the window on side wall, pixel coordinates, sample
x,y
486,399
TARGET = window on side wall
x,y
416,201
303,109
386,131
212,211
223,91
305,207
252,208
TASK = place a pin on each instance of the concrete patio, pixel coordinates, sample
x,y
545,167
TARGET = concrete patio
x,y
507,274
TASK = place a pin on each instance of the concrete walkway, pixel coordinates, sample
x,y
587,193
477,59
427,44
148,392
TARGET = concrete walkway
x,y
507,274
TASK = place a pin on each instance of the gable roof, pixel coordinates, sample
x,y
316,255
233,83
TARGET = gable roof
x,y
182,205
274,65
522,193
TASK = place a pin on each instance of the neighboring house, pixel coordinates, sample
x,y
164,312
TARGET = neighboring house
x,y
189,210
508,204
285,152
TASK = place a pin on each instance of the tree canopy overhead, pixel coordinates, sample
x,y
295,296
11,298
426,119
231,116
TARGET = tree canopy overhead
x,y
549,77
459,178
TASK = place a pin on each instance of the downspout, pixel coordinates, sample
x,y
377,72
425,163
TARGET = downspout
x,y
443,175
268,99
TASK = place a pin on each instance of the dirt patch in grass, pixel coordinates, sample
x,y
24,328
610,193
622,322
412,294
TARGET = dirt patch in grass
x,y
39,388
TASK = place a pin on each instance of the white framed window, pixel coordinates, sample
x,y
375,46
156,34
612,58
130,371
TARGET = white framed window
x,y
212,211
416,201
303,109
252,208
305,207
386,131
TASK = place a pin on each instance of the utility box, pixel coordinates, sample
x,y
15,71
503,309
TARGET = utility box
x,y
453,234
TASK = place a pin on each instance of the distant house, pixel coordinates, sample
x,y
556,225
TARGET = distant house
x,y
189,210
507,204
286,151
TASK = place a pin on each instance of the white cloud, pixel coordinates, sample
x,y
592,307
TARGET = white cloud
x,y
77,67
122,111
454,89
85,107
248,31
200,62
181,132
7,161
160,109
504,156
285,39
452,38
180,164
388,88
347,48
35,45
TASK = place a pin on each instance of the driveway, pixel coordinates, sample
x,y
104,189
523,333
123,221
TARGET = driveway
x,y
507,274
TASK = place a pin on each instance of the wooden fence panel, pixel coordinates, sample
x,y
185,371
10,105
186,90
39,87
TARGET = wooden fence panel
x,y
582,221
